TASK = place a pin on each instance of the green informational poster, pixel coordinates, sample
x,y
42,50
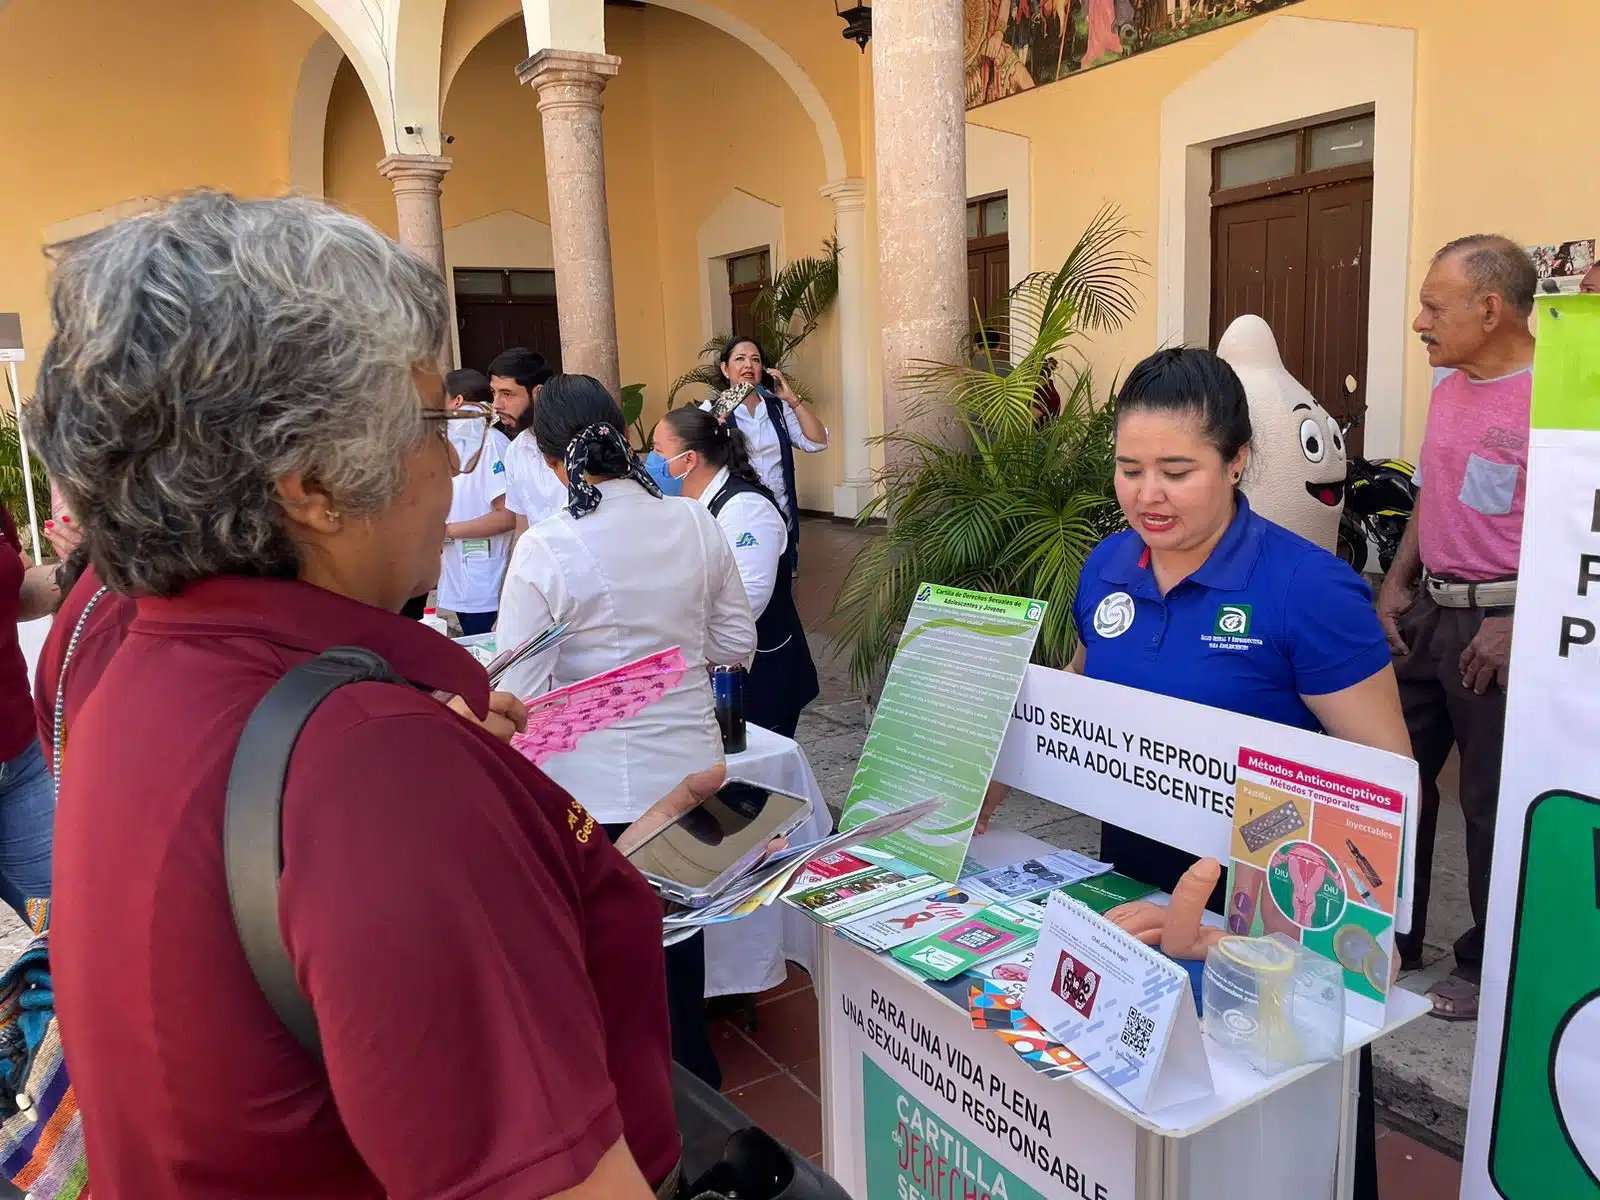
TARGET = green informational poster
x,y
944,711
1533,1125
912,1152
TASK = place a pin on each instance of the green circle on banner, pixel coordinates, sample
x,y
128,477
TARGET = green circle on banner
x,y
1305,885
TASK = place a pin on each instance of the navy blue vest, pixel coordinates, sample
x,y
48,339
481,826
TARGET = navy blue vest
x,y
783,678
791,518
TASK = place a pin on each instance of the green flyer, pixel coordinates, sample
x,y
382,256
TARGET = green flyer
x,y
912,1151
998,929
941,718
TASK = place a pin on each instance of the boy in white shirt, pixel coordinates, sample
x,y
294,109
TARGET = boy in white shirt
x,y
478,529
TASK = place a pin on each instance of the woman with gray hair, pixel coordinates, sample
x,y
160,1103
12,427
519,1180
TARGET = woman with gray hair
x,y
242,407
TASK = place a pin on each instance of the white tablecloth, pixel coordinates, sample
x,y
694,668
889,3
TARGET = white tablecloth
x,y
751,954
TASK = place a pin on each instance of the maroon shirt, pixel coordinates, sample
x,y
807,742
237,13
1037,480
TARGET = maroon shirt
x,y
485,968
16,701
102,634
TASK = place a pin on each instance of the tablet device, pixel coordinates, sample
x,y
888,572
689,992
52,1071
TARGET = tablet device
x,y
714,843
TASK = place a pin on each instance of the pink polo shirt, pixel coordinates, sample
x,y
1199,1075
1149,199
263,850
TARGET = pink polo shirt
x,y
1473,475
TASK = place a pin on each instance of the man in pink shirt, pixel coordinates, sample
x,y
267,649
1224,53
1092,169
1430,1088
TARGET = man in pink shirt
x,y
1447,601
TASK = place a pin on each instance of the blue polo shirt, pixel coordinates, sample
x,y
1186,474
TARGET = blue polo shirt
x,y
1268,618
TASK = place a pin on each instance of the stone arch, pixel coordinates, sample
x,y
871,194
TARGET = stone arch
x,y
308,126
774,55
357,26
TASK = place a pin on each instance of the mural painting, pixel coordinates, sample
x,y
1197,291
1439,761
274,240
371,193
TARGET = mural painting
x,y
1014,45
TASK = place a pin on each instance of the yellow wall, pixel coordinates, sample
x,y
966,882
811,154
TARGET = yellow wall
x,y
1495,148
107,102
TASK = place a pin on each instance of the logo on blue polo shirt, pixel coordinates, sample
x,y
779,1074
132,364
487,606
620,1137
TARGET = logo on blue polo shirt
x,y
1231,631
1114,616
1233,620
746,540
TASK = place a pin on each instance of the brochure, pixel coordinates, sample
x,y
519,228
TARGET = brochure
x,y
1105,892
1316,857
996,930
558,720
902,923
855,895
1036,876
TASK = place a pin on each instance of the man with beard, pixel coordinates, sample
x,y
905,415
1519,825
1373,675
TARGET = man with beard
x,y
533,492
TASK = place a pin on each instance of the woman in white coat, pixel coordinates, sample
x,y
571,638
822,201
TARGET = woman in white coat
x,y
629,572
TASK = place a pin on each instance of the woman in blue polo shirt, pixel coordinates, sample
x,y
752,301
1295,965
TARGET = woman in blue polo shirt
x,y
1203,600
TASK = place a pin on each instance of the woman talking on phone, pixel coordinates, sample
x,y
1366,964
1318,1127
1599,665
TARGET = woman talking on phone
x,y
707,460
774,421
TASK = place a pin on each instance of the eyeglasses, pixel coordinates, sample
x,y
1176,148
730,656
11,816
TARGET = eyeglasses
x,y
481,413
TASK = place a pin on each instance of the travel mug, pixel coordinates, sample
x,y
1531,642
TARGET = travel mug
x,y
727,700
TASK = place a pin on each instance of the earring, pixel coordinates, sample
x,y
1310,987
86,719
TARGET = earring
x,y
330,514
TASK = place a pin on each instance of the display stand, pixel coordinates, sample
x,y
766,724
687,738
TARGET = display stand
x,y
918,1103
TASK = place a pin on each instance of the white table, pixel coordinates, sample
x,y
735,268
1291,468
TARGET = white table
x,y
751,954
905,1078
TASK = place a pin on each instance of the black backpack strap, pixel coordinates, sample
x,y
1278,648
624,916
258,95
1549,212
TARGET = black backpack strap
x,y
252,829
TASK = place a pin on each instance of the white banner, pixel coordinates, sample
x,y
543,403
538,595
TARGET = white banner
x,y
921,1106
1533,1127
1167,768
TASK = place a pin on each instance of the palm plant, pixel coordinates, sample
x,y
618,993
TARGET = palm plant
x,y
1014,502
786,312
13,493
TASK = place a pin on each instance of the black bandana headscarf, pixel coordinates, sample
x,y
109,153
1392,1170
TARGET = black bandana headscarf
x,y
582,496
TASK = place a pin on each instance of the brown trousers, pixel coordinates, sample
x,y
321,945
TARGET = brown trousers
x,y
1442,712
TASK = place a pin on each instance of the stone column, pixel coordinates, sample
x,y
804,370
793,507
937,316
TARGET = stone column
x,y
849,198
416,179
919,117
569,85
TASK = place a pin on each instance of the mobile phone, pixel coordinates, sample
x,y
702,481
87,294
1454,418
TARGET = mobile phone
x,y
768,383
692,859
1545,1140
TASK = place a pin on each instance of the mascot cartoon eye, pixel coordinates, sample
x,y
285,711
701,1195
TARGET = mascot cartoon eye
x,y
1312,443
1335,436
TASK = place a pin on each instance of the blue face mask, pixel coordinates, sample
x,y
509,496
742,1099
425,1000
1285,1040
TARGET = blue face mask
x,y
660,470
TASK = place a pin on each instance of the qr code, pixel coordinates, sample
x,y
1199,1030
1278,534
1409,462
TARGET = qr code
x,y
1136,1031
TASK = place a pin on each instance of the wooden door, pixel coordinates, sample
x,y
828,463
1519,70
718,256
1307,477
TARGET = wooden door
x,y
1259,266
1300,261
490,326
988,285
1338,241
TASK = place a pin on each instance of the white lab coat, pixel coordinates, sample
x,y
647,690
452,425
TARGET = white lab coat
x,y
757,535
638,575
532,488
766,452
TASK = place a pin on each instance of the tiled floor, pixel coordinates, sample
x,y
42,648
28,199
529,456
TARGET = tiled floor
x,y
774,1075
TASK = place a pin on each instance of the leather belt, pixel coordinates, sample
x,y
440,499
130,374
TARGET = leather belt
x,y
1490,593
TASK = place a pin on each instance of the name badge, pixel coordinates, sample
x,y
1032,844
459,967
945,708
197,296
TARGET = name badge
x,y
475,549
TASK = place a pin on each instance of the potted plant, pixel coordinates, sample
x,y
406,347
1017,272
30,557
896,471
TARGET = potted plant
x,y
1014,502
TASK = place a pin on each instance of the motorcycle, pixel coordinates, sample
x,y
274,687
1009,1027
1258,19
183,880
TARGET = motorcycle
x,y
1378,499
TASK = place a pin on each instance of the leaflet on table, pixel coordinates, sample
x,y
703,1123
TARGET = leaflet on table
x,y
995,930
1105,892
944,710
1122,1007
765,882
1036,876
1316,856
890,927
